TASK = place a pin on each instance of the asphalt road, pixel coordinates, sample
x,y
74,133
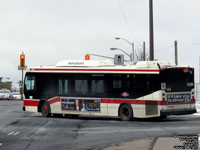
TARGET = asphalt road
x,y
29,131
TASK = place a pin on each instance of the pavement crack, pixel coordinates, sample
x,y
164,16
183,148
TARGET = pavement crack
x,y
153,143
29,144
169,131
79,126
14,122
34,132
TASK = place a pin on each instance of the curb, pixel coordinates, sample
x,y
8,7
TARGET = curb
x,y
162,143
141,144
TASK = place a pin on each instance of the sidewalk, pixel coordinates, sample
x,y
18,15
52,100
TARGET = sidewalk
x,y
198,108
168,143
163,143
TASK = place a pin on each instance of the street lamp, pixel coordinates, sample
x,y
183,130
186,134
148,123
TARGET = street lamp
x,y
113,49
132,44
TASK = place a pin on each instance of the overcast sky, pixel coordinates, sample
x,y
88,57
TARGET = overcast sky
x,y
51,30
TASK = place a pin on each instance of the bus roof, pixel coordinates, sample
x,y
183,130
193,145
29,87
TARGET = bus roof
x,y
103,66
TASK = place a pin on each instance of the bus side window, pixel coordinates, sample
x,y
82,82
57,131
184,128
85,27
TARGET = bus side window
x,y
97,87
117,84
60,87
63,88
66,87
81,87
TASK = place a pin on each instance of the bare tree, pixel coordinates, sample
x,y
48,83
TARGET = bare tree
x,y
141,55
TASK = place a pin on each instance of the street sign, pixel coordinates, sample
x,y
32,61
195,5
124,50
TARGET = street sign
x,y
19,68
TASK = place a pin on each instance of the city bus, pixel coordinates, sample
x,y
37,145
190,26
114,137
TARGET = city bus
x,y
144,89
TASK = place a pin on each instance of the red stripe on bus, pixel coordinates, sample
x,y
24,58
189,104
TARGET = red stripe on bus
x,y
136,102
54,100
31,102
36,102
160,103
107,101
132,70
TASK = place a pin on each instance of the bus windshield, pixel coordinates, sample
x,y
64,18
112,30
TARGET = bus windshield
x,y
29,85
177,79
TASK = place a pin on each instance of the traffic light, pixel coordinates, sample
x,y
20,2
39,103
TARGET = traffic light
x,y
119,59
87,57
22,61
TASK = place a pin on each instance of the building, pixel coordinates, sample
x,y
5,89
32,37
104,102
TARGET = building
x,y
5,85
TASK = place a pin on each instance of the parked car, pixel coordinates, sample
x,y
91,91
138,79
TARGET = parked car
x,y
5,94
15,95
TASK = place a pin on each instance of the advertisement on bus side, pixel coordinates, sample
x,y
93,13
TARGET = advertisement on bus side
x,y
80,104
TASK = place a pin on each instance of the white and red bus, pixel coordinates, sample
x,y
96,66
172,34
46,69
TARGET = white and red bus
x,y
101,88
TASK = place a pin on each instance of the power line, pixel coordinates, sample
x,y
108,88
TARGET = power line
x,y
127,23
125,19
164,49
190,43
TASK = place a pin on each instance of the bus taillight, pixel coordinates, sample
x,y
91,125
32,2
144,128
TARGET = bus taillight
x,y
164,99
193,98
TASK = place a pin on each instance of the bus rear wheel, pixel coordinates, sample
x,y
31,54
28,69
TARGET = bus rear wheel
x,y
45,109
126,112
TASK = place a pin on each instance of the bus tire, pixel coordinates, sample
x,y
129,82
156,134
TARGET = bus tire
x,y
126,112
45,109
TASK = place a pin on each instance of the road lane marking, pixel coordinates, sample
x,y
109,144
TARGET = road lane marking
x,y
16,133
13,133
10,133
1,144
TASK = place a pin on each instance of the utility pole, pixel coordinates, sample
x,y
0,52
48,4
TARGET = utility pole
x,y
176,52
199,69
151,41
144,56
133,56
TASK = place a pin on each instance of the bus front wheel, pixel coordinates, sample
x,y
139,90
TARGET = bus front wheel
x,y
126,112
45,109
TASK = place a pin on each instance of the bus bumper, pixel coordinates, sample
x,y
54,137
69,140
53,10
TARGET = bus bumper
x,y
178,112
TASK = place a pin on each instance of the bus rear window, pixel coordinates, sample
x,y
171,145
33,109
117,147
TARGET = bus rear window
x,y
178,79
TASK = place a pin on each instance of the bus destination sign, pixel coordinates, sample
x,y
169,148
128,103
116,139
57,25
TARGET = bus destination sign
x,y
178,98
